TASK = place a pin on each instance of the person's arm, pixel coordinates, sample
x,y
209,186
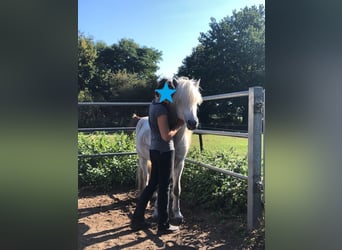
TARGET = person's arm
x,y
164,128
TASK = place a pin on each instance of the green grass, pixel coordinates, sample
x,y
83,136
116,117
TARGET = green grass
x,y
221,143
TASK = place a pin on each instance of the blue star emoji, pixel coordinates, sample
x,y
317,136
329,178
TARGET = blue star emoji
x,y
165,93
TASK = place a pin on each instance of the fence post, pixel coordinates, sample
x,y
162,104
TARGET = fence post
x,y
255,105
200,141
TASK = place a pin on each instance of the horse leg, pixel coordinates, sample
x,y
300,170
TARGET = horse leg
x,y
176,188
143,174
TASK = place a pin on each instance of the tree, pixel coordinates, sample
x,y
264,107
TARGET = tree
x,y
123,71
230,57
129,56
87,55
128,87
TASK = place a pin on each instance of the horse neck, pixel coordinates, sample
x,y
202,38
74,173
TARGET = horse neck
x,y
183,136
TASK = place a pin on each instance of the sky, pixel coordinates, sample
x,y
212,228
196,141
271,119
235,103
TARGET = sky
x,y
170,26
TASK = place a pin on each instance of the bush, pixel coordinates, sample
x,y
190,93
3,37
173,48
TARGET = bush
x,y
103,173
201,187
209,189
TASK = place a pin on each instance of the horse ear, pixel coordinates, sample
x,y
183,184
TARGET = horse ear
x,y
197,83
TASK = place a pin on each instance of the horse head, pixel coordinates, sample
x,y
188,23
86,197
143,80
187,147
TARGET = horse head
x,y
186,100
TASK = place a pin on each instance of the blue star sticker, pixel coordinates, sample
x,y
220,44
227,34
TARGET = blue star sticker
x,y
165,93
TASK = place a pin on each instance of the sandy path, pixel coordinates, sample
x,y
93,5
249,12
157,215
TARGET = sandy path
x,y
104,224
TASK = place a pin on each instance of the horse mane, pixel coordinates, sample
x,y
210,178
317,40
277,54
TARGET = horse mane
x,y
187,90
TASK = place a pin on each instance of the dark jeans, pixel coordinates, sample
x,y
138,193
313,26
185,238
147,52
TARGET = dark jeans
x,y
162,163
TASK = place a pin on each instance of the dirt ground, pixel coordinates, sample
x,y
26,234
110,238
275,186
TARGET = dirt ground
x,y
103,222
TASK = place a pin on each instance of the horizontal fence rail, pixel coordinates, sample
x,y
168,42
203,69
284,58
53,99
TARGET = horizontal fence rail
x,y
197,131
106,129
220,170
114,103
217,132
225,96
106,154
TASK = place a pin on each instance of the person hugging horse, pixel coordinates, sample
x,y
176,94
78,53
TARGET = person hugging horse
x,y
164,126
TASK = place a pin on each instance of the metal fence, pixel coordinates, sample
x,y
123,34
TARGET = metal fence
x,y
256,125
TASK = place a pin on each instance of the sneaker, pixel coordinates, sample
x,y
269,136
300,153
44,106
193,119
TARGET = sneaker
x,y
168,229
137,225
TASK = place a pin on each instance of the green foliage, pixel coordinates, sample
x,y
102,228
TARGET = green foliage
x,y
84,95
200,187
86,61
229,58
208,189
102,173
231,55
128,86
123,71
104,69
131,57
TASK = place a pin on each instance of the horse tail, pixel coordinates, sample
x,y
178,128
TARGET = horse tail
x,y
134,120
135,116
